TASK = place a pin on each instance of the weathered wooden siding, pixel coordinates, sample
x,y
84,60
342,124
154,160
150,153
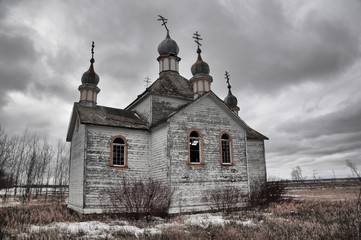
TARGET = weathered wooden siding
x,y
162,153
76,175
192,182
159,162
99,175
143,108
256,162
162,106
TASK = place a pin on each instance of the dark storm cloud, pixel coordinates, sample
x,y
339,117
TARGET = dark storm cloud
x,y
16,63
333,133
344,120
274,51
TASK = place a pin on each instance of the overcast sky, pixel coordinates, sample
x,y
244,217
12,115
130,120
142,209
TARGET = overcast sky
x,y
295,67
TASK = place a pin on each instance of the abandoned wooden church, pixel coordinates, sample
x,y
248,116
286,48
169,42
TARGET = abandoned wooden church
x,y
177,131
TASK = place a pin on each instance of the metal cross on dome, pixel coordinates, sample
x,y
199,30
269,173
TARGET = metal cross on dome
x,y
164,20
197,39
93,49
147,81
227,79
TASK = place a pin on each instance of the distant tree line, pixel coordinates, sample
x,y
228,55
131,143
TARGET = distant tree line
x,y
29,163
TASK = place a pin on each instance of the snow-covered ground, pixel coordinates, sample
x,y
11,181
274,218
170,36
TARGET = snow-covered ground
x,y
101,230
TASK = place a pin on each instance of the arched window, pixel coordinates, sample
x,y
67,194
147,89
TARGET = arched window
x,y
195,145
119,152
226,149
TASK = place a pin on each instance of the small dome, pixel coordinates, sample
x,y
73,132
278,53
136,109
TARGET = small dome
x,y
168,46
230,100
200,66
90,76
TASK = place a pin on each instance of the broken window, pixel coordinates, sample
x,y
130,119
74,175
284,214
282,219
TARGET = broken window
x,y
226,154
195,146
119,152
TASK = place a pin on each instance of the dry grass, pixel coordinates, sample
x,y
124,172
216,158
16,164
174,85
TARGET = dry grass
x,y
332,193
318,217
289,220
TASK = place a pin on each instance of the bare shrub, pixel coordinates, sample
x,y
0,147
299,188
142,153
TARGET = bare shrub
x,y
224,199
296,174
138,198
262,194
354,170
6,181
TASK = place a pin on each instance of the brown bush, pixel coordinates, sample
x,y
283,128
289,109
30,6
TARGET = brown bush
x,y
137,198
262,194
224,199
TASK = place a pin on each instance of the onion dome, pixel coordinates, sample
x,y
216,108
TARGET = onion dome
x,y
89,89
200,66
90,76
168,47
230,100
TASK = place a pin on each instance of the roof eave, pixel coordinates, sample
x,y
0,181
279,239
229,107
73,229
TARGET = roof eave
x,y
145,128
71,125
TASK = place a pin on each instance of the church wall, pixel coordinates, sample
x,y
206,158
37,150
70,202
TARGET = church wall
x,y
159,163
192,182
99,174
76,175
256,162
143,108
162,106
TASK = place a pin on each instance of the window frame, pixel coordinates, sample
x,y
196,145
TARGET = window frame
x,y
195,164
125,166
231,154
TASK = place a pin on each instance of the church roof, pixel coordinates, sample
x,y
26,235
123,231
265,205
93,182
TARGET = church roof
x,y
168,84
105,116
172,84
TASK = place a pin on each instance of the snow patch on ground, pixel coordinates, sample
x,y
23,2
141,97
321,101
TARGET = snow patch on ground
x,y
205,220
248,222
105,230
11,202
96,228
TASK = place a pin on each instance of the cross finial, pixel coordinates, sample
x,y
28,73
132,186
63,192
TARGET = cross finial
x,y
227,79
147,81
197,39
92,59
164,20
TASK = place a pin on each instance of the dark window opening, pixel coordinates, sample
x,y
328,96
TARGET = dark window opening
x,y
195,147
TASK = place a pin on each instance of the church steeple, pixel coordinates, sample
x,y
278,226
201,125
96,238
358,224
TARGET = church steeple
x,y
88,89
201,80
230,100
168,50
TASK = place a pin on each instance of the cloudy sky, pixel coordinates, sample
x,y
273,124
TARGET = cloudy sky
x,y
295,67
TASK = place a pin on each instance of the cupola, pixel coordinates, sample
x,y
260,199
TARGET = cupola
x,y
201,80
168,52
168,47
88,89
230,100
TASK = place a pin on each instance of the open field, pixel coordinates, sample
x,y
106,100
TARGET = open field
x,y
329,215
339,189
